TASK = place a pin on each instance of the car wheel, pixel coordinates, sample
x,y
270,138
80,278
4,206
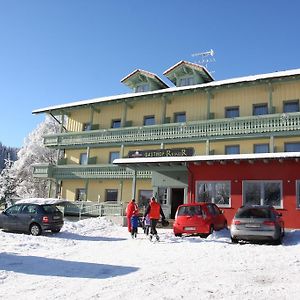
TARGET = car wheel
x,y
35,229
55,230
178,234
234,241
211,229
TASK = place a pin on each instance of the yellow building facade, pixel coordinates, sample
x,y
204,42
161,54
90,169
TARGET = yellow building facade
x,y
254,114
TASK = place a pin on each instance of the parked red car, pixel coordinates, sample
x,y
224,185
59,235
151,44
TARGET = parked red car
x,y
198,219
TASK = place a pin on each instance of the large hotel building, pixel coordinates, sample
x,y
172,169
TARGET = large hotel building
x,y
231,142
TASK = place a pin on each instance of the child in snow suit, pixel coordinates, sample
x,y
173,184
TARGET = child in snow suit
x,y
134,224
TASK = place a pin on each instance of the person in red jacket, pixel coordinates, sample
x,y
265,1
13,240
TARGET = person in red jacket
x,y
131,209
154,210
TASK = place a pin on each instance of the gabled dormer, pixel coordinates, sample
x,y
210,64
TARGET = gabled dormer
x,y
186,73
143,81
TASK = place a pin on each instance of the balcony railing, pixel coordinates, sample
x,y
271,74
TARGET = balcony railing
x,y
86,172
181,132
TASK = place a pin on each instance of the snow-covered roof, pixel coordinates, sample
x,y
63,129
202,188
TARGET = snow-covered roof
x,y
205,158
147,74
41,201
251,78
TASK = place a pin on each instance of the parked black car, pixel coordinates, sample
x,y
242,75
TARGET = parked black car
x,y
32,218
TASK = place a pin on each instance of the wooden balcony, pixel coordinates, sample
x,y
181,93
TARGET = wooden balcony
x,y
242,127
60,172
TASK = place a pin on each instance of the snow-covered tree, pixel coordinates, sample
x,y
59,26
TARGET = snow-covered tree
x,y
8,182
33,152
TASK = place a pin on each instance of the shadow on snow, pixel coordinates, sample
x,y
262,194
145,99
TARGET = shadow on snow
x,y
35,265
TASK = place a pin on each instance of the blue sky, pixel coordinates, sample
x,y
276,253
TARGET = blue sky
x,y
59,51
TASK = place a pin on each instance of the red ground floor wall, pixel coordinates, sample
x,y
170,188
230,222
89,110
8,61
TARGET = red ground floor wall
x,y
288,171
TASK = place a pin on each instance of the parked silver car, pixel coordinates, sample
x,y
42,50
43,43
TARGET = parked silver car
x,y
257,223
32,218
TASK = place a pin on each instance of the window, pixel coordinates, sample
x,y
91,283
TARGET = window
x,y
260,109
291,106
292,147
217,192
298,193
83,159
111,195
149,120
179,117
162,195
144,197
262,193
186,81
113,156
261,148
116,123
232,112
86,126
14,210
80,195
232,149
142,88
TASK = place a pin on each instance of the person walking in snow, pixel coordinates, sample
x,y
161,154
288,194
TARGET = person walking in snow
x,y
134,224
154,210
130,209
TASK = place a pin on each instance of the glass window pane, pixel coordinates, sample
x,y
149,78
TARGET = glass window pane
x,y
292,147
150,120
116,124
83,159
80,195
113,156
204,192
260,109
252,193
222,193
232,112
291,106
142,88
180,117
272,193
261,148
111,195
186,81
144,197
86,126
235,149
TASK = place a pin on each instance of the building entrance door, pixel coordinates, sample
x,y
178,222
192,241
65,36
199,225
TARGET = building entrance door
x,y
177,198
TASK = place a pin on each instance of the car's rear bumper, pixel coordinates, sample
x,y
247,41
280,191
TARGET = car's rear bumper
x,y
54,226
178,229
252,235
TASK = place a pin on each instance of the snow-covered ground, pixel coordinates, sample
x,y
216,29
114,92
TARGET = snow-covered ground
x,y
95,259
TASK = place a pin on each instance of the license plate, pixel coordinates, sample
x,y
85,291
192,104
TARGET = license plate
x,y
189,228
56,218
252,225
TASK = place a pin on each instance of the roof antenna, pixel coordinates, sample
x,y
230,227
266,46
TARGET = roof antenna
x,y
205,58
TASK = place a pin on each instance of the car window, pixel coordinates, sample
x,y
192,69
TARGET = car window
x,y
216,209
254,213
211,209
13,210
190,211
50,208
29,209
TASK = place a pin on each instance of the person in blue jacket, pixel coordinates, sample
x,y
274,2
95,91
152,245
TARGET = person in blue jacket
x,y
134,224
